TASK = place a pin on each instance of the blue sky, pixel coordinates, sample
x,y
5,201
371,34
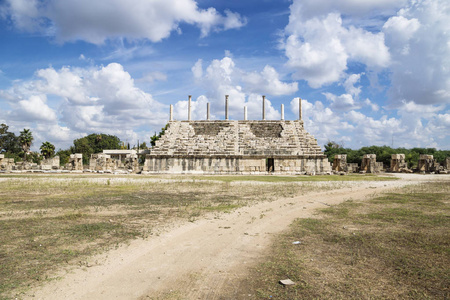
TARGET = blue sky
x,y
373,72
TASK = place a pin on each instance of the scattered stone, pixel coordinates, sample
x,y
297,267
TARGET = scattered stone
x,y
287,282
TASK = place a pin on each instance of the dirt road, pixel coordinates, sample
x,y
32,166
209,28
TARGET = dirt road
x,y
197,260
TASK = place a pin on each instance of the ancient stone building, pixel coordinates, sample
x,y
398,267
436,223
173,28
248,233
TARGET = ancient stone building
x,y
242,147
447,163
6,164
340,163
114,160
427,163
369,164
398,163
50,163
75,162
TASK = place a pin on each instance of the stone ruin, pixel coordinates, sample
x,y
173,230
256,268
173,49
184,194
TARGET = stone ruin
x,y
447,164
75,162
427,164
50,164
103,162
399,164
236,147
340,163
369,164
6,164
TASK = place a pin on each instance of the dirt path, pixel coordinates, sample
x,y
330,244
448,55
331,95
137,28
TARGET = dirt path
x,y
197,260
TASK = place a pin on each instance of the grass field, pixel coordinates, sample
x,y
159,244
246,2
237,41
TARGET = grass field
x,y
52,221
396,246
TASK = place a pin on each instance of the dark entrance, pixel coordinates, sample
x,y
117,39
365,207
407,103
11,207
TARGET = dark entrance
x,y
270,165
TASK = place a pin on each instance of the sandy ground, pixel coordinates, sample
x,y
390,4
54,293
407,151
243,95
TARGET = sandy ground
x,y
200,260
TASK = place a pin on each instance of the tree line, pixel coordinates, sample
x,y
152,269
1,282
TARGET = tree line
x,y
18,147
384,153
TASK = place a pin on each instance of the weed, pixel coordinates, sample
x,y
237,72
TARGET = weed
x,y
394,246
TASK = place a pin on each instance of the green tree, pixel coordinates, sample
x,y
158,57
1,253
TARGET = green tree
x,y
26,140
64,155
155,137
47,149
9,142
95,143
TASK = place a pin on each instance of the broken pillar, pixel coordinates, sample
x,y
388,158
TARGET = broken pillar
x,y
369,164
447,164
263,107
76,162
427,163
398,163
226,107
340,163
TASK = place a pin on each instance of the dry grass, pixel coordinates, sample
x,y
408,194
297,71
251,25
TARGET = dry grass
x,y
49,222
393,247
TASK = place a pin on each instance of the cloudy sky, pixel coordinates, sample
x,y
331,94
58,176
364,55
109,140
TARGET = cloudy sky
x,y
372,72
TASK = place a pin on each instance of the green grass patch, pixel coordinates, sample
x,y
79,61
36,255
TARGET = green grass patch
x,y
396,246
300,178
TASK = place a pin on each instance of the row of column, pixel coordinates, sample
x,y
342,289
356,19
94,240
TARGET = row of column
x,y
245,109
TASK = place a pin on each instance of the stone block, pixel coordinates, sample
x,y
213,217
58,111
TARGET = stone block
x,y
369,164
427,164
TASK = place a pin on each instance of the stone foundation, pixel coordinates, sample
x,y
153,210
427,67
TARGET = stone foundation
x,y
235,165
243,147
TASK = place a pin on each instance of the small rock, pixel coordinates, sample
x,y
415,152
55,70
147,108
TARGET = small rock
x,y
287,282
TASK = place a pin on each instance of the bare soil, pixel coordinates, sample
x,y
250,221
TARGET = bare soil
x,y
199,260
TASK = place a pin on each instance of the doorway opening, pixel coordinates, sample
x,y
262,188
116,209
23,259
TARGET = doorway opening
x,y
270,165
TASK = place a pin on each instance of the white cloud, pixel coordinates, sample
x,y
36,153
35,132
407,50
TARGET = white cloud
x,y
222,77
353,8
420,46
373,106
349,84
96,99
34,108
154,76
319,48
411,128
268,82
96,21
344,102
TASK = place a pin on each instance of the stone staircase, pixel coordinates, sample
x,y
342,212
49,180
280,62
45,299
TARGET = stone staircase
x,y
236,138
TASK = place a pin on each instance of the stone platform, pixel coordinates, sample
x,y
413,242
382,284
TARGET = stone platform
x,y
236,147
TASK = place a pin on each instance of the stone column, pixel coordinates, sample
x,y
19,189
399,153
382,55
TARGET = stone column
x,y
226,107
245,113
299,108
207,112
282,112
263,107
189,108
171,112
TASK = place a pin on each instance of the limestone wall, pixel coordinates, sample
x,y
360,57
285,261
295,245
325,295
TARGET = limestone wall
x,y
234,165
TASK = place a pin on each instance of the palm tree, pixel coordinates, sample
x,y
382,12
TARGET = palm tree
x,y
47,150
26,139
